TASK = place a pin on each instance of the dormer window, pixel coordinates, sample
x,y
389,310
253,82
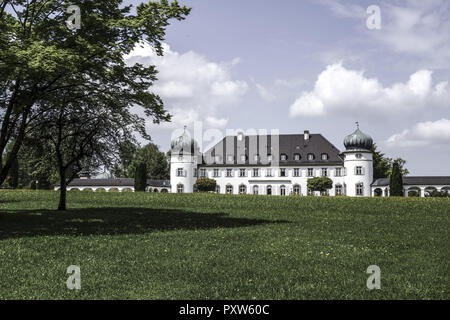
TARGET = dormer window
x,y
256,158
230,158
297,157
217,159
283,157
243,158
269,157
324,156
310,156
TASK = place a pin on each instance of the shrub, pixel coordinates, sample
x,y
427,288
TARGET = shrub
x,y
438,194
322,184
205,185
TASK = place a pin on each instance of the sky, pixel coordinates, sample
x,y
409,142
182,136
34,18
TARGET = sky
x,y
312,65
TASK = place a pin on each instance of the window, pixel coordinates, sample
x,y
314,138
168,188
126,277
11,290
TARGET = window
x,y
283,172
359,171
242,189
359,189
255,190
180,188
195,172
180,172
242,173
310,172
202,173
283,190
358,156
216,173
297,189
338,190
229,189
310,156
180,158
217,189
229,173
230,158
297,157
296,172
269,157
324,156
269,190
283,157
218,159
324,172
256,158
243,157
268,172
338,172
256,172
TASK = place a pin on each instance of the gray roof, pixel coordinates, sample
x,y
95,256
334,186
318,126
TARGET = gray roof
x,y
117,182
289,144
423,181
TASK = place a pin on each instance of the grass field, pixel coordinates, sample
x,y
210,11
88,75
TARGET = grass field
x,y
206,246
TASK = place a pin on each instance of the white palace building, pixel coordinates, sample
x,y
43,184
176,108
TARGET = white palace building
x,y
282,164
272,165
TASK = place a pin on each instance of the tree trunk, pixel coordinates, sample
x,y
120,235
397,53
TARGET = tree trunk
x,y
62,190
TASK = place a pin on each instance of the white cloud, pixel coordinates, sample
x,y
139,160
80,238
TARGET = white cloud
x,y
264,93
349,92
429,133
417,28
192,87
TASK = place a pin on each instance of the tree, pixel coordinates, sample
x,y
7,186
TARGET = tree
x,y
382,165
40,57
321,184
396,181
131,155
205,185
140,177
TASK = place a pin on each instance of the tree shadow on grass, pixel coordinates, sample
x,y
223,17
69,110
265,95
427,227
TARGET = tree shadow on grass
x,y
113,221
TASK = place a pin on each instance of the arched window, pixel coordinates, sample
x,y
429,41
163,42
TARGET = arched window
x,y
283,190
180,188
359,189
297,189
242,189
310,156
229,189
255,189
269,190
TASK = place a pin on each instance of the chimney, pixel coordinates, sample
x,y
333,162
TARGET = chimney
x,y
306,135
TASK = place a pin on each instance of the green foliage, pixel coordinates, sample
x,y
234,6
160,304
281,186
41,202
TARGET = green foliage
x,y
205,185
131,155
382,166
396,181
321,184
73,88
307,248
140,177
438,194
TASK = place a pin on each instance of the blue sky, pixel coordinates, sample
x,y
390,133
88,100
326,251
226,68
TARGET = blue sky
x,y
312,64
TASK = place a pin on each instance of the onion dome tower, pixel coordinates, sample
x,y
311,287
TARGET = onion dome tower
x,y
358,163
183,163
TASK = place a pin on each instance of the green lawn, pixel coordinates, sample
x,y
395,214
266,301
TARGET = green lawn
x,y
206,246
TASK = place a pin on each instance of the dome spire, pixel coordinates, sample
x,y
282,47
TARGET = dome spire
x,y
357,125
